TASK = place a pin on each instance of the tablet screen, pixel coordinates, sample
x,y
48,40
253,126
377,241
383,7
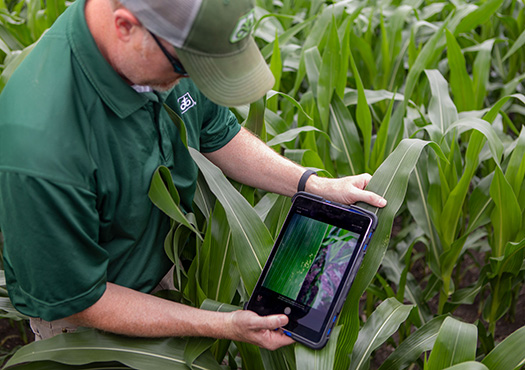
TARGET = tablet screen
x,y
309,266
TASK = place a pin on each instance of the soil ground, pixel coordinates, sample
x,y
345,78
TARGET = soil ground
x,y
13,334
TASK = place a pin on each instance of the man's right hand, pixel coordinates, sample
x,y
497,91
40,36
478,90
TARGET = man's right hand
x,y
263,331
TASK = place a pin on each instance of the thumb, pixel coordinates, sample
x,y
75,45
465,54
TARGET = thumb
x,y
274,321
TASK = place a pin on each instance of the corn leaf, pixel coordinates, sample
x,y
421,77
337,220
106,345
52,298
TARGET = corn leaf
x,y
165,196
294,102
422,61
455,343
179,123
251,239
493,112
193,291
255,120
310,359
83,347
363,53
195,347
177,237
468,365
8,70
386,55
520,41
219,276
396,272
383,322
312,61
282,358
363,116
272,209
506,216
479,16
441,110
204,198
460,82
285,37
292,134
420,207
372,96
508,354
313,39
512,260
276,66
411,348
348,157
481,71
307,158
50,365
8,311
328,75
343,57
448,224
515,172
379,150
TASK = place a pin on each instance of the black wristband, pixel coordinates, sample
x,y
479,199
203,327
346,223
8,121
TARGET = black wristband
x,y
302,181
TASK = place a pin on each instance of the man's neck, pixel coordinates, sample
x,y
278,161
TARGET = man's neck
x,y
98,18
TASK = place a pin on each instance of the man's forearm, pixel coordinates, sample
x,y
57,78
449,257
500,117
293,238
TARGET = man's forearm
x,y
250,161
125,311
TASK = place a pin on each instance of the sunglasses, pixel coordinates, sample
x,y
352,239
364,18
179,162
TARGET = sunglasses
x,y
175,63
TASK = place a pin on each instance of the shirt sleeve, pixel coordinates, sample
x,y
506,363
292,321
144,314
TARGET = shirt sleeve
x,y
53,264
219,127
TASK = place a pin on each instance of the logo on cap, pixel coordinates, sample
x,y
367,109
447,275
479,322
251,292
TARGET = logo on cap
x,y
244,27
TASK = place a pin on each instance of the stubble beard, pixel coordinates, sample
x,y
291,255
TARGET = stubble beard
x,y
137,74
164,86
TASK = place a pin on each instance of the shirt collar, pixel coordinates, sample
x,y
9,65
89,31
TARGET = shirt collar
x,y
121,98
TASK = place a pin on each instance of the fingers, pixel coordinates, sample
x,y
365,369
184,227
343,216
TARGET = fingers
x,y
364,178
251,320
278,339
370,198
263,331
351,189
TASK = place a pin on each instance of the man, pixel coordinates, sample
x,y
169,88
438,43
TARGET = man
x,y
83,128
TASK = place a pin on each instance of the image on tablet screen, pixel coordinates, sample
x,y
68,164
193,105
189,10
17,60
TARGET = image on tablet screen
x,y
310,262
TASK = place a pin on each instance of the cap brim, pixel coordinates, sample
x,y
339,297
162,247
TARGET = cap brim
x,y
230,80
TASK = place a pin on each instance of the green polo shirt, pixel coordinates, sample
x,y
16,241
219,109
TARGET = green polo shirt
x,y
78,147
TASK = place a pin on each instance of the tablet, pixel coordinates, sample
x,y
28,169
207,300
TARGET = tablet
x,y
312,265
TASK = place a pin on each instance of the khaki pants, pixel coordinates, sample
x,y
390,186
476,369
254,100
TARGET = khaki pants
x,y
46,329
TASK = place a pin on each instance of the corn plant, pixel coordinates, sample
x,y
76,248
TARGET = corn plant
x,y
426,96
21,25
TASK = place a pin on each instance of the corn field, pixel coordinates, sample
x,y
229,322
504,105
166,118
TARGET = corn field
x,y
428,97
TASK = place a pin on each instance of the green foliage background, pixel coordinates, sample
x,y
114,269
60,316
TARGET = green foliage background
x,y
425,95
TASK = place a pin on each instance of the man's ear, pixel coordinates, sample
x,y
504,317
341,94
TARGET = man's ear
x,y
125,23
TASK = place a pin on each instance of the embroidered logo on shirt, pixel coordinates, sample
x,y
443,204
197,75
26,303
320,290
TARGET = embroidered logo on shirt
x,y
186,102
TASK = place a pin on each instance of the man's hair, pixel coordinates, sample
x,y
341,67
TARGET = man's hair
x,y
115,4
